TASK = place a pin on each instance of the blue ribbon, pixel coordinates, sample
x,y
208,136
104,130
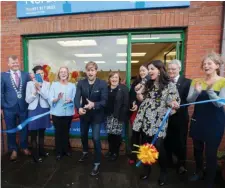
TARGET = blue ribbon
x,y
25,123
220,100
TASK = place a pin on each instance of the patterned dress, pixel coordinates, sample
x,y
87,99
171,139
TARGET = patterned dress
x,y
113,125
153,108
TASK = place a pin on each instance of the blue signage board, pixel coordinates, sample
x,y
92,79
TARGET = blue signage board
x,y
75,130
26,9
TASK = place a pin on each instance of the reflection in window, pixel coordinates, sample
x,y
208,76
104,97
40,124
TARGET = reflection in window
x,y
106,51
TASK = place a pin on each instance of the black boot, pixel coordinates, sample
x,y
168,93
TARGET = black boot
x,y
162,178
146,172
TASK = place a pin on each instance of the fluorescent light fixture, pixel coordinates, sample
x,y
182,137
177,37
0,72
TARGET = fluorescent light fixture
x,y
145,38
77,43
121,41
98,62
170,53
132,54
88,55
126,61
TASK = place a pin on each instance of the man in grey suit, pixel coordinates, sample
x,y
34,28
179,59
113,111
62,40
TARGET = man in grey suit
x,y
13,104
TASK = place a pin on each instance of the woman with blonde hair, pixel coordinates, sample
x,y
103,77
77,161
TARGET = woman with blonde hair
x,y
61,94
117,108
208,120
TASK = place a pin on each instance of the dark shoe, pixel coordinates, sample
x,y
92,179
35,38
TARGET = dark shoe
x,y
44,154
146,173
83,157
144,177
162,179
37,159
108,154
95,170
58,157
196,176
113,157
68,154
181,170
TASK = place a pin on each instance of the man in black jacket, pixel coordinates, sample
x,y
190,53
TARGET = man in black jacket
x,y
178,123
90,100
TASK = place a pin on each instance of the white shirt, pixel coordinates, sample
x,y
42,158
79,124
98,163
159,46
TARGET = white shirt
x,y
13,75
176,78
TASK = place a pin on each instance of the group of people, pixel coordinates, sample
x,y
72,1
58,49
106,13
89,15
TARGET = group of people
x,y
154,91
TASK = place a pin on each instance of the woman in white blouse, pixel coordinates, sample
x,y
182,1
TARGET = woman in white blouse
x,y
37,98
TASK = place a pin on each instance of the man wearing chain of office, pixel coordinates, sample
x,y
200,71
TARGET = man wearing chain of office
x,y
13,88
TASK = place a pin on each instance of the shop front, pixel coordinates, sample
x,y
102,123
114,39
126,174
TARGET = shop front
x,y
118,36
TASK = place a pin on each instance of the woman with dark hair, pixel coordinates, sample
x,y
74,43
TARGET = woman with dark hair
x,y
157,96
142,78
117,113
37,98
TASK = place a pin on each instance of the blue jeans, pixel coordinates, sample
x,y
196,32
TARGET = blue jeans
x,y
84,128
10,116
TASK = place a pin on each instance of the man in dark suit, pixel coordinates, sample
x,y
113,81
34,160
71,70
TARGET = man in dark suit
x,y
178,123
13,90
90,100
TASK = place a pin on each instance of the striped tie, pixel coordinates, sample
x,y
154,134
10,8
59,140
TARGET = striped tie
x,y
17,79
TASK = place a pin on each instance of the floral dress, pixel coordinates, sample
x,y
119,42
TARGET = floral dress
x,y
153,109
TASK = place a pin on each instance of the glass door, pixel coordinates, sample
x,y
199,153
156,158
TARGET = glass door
x,y
147,47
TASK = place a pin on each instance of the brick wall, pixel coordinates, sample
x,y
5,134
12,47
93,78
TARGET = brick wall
x,y
202,19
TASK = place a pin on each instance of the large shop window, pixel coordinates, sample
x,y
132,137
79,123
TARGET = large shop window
x,y
107,51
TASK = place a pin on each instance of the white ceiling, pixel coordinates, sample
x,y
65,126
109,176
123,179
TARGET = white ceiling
x,y
49,51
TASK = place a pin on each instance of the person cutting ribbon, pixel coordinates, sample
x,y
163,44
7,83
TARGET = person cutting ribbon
x,y
158,95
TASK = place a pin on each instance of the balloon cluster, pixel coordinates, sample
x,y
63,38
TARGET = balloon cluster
x,y
147,154
73,76
46,69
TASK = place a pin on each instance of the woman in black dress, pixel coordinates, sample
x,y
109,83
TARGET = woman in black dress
x,y
117,114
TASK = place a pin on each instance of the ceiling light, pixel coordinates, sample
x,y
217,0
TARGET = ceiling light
x,y
121,41
77,43
145,38
132,54
126,61
98,62
88,55
170,53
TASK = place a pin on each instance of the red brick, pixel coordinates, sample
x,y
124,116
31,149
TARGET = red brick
x,y
202,19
